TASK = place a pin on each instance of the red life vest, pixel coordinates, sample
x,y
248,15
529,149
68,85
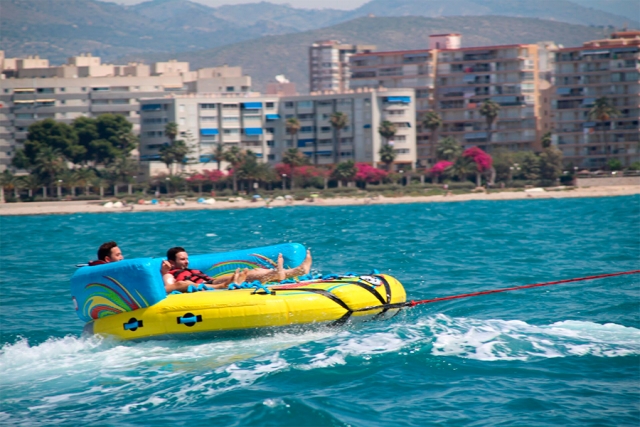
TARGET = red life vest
x,y
195,276
97,262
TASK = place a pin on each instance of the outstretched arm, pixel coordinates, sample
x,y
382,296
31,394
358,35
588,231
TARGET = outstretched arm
x,y
170,283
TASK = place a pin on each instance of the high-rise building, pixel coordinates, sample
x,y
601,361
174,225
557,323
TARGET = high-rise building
x,y
454,81
329,65
605,70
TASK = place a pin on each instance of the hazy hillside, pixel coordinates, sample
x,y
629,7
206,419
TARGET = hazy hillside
x,y
266,57
301,19
557,10
627,8
57,29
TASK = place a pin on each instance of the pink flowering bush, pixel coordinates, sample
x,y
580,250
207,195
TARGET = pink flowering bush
x,y
369,174
207,176
440,167
482,160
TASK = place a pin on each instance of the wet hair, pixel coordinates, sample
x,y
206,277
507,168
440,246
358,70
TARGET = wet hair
x,y
171,253
105,250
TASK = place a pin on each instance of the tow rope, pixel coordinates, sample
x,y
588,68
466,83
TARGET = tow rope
x,y
495,291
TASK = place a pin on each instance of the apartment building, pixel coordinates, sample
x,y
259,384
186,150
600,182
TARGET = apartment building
x,y
601,68
508,75
31,90
204,121
454,82
258,123
404,69
329,65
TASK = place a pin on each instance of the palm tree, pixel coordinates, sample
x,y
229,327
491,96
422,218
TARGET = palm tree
x,y
387,130
294,158
171,131
603,111
10,182
489,110
339,121
84,177
387,155
31,183
49,163
176,152
432,121
345,171
293,126
462,167
218,154
545,141
235,157
448,149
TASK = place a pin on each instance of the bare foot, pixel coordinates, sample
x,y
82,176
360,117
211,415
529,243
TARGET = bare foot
x,y
303,268
280,273
243,275
236,277
306,264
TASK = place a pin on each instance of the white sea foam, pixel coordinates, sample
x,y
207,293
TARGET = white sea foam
x,y
517,340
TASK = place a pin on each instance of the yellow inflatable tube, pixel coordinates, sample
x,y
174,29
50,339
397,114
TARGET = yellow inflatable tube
x,y
334,301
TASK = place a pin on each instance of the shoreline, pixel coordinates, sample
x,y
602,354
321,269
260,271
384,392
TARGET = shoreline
x,y
73,207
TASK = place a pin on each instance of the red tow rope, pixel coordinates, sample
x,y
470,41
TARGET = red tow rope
x,y
515,288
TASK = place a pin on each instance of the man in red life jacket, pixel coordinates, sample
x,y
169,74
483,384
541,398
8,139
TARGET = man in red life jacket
x,y
177,275
108,252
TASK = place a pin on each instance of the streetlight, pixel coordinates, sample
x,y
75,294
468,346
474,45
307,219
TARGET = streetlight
x,y
167,179
401,176
59,189
284,177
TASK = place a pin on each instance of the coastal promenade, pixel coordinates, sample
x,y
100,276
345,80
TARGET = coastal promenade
x,y
71,207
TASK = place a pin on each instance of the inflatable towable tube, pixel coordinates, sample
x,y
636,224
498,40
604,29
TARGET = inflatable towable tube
x,y
127,299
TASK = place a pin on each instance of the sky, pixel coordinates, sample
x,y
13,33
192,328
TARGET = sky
x,y
301,4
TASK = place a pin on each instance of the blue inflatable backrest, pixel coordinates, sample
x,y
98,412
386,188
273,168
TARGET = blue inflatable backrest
x,y
117,287
128,285
218,264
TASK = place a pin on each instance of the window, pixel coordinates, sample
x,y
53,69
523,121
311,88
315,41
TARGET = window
x,y
181,108
307,129
101,89
270,130
305,104
120,101
230,88
207,106
324,103
270,105
270,144
45,90
271,156
231,131
229,106
325,129
209,119
288,104
305,116
231,119
402,151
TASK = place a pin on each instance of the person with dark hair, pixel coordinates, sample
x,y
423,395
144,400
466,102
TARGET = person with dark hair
x,y
177,276
108,252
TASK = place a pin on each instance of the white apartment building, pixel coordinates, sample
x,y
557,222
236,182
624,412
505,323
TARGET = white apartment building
x,y
329,65
258,123
86,87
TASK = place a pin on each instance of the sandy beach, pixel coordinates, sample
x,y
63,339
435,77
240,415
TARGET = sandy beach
x,y
70,207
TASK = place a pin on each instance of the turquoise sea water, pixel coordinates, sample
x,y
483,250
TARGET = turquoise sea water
x,y
559,355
